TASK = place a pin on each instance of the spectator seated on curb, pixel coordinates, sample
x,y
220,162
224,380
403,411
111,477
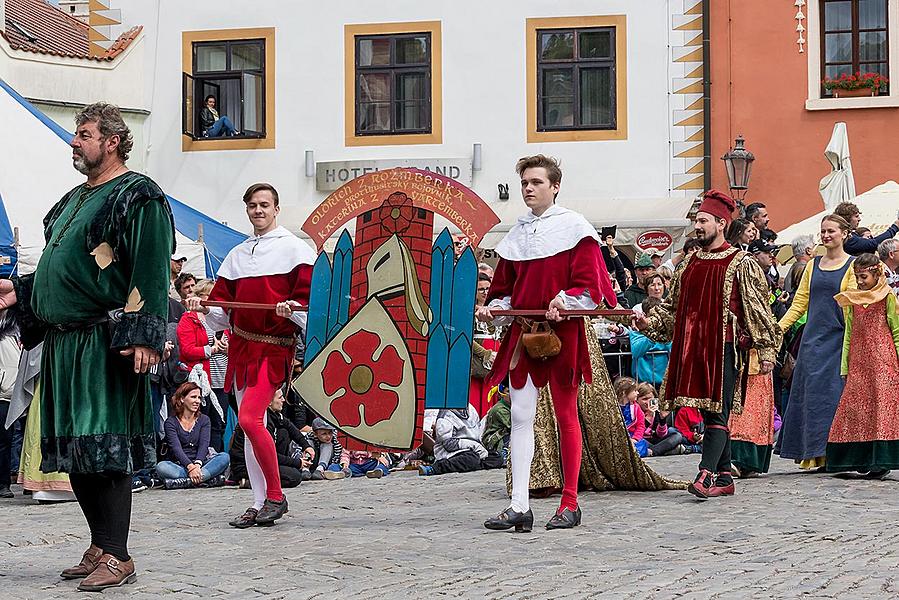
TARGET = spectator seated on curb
x,y
190,461
373,465
424,452
688,422
634,419
498,423
661,439
293,449
328,452
457,444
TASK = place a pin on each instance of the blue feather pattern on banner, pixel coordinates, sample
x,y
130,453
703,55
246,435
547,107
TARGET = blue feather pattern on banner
x,y
449,346
329,297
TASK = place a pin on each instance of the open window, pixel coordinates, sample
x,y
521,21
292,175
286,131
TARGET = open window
x,y
224,96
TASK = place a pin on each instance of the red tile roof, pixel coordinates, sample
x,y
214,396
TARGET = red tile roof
x,y
36,26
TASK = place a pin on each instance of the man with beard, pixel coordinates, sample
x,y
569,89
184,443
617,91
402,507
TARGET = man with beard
x,y
108,247
716,311
758,214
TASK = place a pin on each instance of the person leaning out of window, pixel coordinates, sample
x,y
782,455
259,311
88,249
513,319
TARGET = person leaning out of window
x,y
187,433
214,125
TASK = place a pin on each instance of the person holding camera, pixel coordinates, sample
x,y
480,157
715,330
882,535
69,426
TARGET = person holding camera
x,y
550,260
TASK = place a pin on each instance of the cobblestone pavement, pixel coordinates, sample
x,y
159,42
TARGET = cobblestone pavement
x,y
785,535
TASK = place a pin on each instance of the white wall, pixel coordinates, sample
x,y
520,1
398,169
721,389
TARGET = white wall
x,y
483,101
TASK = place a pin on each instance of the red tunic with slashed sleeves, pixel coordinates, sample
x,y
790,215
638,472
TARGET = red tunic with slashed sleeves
x,y
532,284
245,356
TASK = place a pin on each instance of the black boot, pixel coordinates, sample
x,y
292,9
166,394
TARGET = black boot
x,y
565,519
217,481
5,492
271,511
522,522
182,483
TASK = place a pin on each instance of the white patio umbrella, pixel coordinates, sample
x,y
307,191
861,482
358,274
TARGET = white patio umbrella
x,y
838,185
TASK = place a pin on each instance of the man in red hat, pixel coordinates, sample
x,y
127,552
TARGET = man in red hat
x,y
716,311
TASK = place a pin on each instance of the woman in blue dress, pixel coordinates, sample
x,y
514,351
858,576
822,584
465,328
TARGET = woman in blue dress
x,y
817,385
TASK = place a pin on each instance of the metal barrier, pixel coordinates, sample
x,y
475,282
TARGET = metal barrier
x,y
653,356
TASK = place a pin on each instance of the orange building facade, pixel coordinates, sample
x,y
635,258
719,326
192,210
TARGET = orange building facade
x,y
765,84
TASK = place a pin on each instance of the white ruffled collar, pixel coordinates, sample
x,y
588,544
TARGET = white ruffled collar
x,y
534,237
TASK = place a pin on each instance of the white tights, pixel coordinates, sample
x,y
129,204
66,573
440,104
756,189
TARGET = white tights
x,y
254,471
521,442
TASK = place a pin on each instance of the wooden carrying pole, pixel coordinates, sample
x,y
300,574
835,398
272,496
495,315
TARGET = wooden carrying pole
x,y
496,313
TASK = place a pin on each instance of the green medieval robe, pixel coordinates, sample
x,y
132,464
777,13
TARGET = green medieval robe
x,y
108,249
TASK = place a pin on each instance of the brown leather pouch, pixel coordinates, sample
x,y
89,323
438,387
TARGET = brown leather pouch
x,y
539,340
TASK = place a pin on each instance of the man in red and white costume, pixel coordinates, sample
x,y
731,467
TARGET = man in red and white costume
x,y
271,267
549,260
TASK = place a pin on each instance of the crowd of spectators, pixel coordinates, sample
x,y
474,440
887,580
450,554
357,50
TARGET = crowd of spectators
x,y
199,446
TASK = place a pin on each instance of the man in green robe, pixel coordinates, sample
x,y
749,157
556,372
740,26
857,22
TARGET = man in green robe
x,y
98,301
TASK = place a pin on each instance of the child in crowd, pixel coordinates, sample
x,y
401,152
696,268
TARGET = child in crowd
x,y
688,422
457,444
864,436
634,419
373,465
661,438
329,461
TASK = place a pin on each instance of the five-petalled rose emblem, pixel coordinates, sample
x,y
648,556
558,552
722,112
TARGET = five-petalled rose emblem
x,y
363,380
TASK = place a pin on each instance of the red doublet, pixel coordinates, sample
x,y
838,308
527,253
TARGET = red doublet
x,y
532,284
245,357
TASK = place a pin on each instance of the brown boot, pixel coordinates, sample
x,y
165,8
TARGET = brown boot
x,y
86,566
110,572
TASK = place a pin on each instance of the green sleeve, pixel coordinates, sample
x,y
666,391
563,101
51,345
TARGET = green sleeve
x,y
893,319
847,336
148,239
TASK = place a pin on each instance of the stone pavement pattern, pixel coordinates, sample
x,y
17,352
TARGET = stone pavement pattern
x,y
786,535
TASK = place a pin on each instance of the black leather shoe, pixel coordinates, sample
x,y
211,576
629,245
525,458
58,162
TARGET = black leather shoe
x,y
522,522
248,519
182,483
271,511
565,519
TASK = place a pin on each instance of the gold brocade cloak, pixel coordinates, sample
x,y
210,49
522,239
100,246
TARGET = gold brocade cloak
x,y
609,460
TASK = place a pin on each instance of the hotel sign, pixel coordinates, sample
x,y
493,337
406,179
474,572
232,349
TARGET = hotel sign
x,y
331,175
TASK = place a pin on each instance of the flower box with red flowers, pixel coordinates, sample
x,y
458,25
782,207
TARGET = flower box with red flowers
x,y
857,85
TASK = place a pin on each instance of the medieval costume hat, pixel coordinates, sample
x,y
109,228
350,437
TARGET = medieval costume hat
x,y
718,204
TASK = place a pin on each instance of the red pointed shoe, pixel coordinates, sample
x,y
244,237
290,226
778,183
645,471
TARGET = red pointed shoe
x,y
702,485
723,490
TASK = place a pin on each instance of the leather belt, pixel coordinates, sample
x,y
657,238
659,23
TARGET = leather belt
x,y
67,327
287,342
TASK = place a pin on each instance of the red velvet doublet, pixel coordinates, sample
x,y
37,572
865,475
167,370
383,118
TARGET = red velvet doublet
x,y
532,284
245,356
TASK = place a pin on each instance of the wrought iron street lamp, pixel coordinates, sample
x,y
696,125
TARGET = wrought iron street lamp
x,y
738,162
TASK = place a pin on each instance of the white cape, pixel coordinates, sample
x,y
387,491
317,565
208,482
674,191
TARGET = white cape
x,y
274,253
556,230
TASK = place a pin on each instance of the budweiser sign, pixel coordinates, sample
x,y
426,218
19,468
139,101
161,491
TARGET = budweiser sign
x,y
654,240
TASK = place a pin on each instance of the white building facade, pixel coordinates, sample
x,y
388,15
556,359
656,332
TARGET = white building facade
x,y
601,100
320,94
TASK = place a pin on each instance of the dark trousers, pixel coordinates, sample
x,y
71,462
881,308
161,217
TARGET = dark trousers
x,y
467,461
5,446
667,443
291,477
716,440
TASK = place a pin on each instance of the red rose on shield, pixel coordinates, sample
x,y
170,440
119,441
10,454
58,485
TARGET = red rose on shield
x,y
396,213
361,380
